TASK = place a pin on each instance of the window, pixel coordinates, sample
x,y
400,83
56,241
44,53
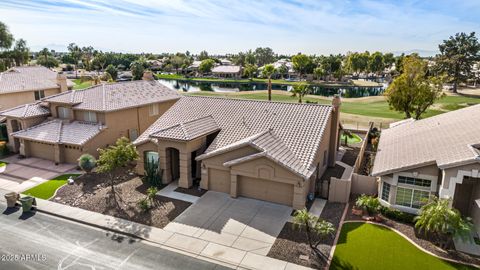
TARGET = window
x,y
411,197
90,116
133,134
39,94
150,156
63,112
414,181
385,191
153,109
325,157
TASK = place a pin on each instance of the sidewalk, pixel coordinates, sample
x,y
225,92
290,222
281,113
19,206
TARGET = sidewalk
x,y
191,246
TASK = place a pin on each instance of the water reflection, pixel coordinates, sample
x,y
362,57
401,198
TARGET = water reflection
x,y
348,91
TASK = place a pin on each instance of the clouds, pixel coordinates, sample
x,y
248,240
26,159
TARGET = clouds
x,y
288,26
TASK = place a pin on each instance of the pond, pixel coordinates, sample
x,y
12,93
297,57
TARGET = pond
x,y
344,91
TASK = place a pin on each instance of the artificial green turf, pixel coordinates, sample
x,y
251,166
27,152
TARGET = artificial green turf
x,y
354,139
47,189
373,247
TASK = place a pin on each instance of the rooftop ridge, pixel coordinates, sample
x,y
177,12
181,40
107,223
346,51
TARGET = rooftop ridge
x,y
259,101
60,127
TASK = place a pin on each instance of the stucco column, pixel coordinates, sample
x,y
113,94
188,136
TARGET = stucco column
x,y
57,154
233,185
164,163
298,196
185,180
204,180
22,148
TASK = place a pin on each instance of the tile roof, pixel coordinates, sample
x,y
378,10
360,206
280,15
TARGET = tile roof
x,y
26,111
186,131
288,132
116,96
61,132
28,78
445,140
226,69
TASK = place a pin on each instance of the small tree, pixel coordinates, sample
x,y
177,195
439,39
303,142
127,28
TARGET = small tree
x,y
442,222
87,162
115,157
268,71
206,66
300,91
250,71
112,71
313,225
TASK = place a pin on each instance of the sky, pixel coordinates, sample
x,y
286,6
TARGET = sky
x,y
224,26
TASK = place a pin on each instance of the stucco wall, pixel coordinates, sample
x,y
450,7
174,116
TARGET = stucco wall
x,y
11,100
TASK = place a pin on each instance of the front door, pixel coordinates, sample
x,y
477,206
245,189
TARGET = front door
x,y
463,196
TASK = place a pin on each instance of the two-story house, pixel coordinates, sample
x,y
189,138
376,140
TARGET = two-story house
x,y
22,85
64,126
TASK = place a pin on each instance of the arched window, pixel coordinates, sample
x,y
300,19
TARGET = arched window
x,y
150,157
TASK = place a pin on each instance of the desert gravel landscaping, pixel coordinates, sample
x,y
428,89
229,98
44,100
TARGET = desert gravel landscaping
x,y
92,192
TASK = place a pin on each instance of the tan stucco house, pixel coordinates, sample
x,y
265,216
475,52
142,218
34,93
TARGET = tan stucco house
x,y
27,84
227,71
438,156
270,151
64,126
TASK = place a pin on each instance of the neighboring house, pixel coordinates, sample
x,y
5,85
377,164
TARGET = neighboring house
x,y
438,156
22,85
265,150
64,126
229,71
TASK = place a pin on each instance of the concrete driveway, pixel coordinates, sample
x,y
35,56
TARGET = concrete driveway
x,y
242,223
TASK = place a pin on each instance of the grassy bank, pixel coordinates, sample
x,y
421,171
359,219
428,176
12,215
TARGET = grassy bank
x,y
368,106
259,80
81,85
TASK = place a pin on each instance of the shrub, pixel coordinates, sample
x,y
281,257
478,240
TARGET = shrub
x,y
397,215
87,162
144,204
368,203
151,193
153,174
3,149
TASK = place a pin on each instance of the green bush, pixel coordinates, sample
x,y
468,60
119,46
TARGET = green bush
x,y
153,174
87,162
3,149
144,204
368,203
397,215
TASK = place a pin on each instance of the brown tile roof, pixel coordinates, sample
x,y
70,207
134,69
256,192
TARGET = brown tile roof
x,y
445,140
116,96
28,78
188,130
26,111
226,69
291,132
61,132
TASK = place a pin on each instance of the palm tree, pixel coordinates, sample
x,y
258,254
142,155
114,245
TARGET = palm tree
x,y
442,222
45,53
268,71
300,90
313,225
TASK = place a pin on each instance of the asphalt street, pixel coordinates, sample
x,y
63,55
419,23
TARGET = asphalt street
x,y
41,241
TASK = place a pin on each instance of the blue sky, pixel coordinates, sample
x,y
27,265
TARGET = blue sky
x,y
223,26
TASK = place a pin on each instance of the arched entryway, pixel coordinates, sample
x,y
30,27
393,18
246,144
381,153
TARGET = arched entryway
x,y
16,126
173,163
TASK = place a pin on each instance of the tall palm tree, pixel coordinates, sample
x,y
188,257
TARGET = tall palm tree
x,y
45,53
442,221
268,71
312,224
300,90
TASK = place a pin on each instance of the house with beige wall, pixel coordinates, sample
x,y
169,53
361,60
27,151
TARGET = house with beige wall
x,y
437,156
27,84
270,151
64,126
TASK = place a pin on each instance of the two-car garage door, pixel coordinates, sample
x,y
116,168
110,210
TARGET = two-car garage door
x,y
266,190
41,150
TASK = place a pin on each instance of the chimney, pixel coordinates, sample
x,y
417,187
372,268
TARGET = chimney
x,y
148,76
334,132
62,82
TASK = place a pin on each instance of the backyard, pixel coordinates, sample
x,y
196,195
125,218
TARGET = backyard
x,y
80,84
369,246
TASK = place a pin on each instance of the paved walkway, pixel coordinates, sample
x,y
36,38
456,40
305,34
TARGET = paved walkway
x,y
317,206
169,191
22,174
177,241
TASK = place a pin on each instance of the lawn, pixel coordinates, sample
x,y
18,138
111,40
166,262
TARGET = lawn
x,y
371,107
368,246
354,139
47,189
81,85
